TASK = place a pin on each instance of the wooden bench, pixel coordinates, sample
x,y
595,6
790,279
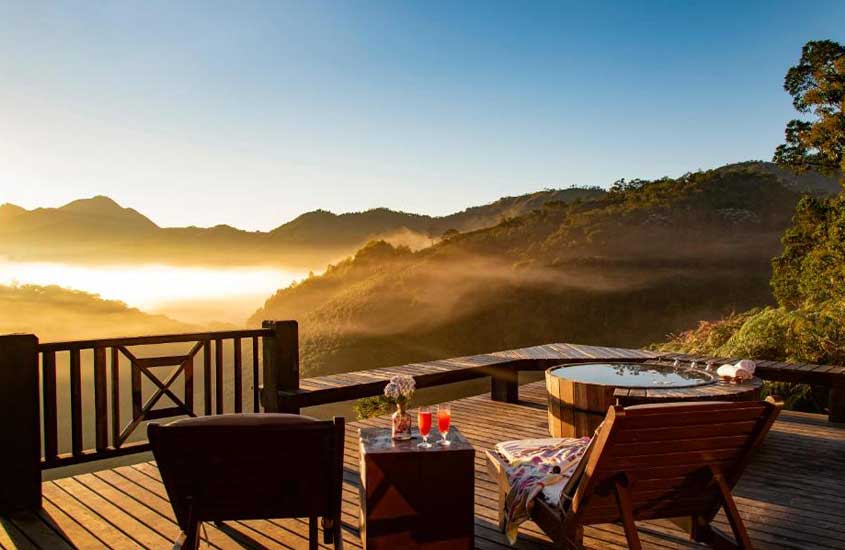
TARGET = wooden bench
x,y
503,368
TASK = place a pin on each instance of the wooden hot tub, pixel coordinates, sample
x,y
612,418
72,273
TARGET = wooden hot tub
x,y
579,395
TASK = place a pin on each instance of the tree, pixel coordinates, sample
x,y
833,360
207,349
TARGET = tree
x,y
817,87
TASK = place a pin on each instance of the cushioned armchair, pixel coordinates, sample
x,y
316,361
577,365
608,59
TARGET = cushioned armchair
x,y
251,466
678,461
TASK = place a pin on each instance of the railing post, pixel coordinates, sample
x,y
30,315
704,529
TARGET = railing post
x,y
504,384
281,366
836,402
20,424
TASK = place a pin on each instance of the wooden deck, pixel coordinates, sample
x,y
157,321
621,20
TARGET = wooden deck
x,y
502,366
792,496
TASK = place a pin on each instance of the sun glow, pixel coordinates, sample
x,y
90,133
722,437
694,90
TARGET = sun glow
x,y
182,292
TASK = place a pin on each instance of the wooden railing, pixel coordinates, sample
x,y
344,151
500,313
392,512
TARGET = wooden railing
x,y
115,362
64,403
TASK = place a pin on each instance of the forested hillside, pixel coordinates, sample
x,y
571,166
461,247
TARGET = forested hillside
x,y
648,258
55,313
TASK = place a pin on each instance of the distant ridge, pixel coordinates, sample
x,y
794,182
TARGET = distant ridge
x,y
100,230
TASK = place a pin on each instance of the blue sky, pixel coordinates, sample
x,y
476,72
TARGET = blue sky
x,y
249,113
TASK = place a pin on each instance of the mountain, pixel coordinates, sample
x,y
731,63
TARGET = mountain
x,y
9,211
100,230
625,268
87,217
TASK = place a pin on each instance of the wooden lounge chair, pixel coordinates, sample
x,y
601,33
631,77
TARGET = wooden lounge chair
x,y
678,461
251,466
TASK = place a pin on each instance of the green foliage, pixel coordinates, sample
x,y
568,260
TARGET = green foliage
x,y
370,407
708,337
817,86
797,397
811,269
763,334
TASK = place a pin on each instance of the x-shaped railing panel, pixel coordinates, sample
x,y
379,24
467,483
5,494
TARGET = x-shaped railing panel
x,y
144,366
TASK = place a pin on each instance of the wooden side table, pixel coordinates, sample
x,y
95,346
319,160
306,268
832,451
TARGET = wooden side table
x,y
416,498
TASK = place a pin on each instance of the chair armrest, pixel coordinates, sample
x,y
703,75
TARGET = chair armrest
x,y
496,468
775,400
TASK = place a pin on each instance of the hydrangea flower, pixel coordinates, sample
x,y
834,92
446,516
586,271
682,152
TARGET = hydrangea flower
x,y
400,388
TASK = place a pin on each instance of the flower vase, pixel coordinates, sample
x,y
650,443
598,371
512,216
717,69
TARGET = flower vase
x,y
401,424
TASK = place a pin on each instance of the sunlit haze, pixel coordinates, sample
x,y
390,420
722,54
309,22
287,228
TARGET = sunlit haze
x,y
184,293
252,113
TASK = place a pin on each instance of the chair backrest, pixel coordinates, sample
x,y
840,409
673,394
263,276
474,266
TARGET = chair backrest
x,y
250,466
667,455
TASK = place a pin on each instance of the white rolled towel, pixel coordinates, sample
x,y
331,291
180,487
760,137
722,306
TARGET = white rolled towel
x,y
734,372
747,365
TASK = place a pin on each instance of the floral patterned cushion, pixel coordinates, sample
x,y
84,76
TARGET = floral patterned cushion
x,y
537,467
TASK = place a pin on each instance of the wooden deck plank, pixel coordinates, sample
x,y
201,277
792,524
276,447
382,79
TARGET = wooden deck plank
x,y
131,527
151,492
12,537
39,533
158,504
273,534
257,534
80,515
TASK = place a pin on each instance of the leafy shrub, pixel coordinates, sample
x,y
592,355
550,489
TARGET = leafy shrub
x,y
759,334
370,407
708,337
762,336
